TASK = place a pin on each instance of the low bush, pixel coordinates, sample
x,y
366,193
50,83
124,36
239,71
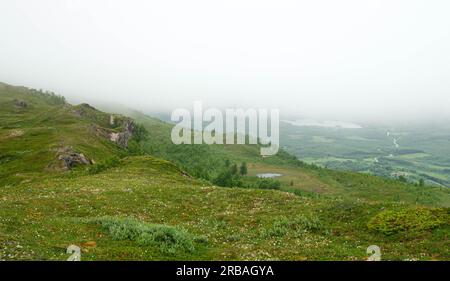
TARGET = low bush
x,y
268,184
109,163
418,219
297,225
227,179
167,238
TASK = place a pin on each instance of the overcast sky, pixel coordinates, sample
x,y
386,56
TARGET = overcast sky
x,y
346,60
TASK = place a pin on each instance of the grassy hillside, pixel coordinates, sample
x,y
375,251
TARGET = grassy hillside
x,y
31,135
138,203
221,223
296,175
203,160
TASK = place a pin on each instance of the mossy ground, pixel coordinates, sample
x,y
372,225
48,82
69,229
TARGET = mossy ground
x,y
317,214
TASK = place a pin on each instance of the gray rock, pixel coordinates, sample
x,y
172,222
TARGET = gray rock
x,y
123,137
71,158
20,103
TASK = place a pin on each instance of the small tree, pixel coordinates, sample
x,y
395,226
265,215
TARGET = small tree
x,y
243,169
140,133
224,179
421,182
234,169
268,184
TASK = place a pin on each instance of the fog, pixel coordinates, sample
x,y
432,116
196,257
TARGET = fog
x,y
337,60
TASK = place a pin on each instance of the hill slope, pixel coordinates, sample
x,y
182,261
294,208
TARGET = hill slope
x,y
296,175
140,207
37,127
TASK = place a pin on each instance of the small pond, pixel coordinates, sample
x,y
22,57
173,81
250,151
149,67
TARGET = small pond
x,y
268,175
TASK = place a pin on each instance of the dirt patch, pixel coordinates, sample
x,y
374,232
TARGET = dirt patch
x,y
15,133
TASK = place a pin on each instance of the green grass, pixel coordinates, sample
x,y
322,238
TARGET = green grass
x,y
47,216
146,207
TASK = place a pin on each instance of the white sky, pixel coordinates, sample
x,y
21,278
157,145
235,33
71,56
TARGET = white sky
x,y
341,59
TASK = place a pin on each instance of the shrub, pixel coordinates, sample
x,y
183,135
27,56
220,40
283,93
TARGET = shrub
x,y
243,169
233,237
402,179
200,173
418,219
140,133
109,163
297,225
224,179
268,184
227,179
234,169
49,97
168,239
278,229
309,224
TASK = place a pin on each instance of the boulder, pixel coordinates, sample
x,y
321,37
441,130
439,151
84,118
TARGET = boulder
x,y
20,103
70,158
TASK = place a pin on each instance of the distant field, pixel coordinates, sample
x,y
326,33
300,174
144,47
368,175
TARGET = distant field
x,y
416,152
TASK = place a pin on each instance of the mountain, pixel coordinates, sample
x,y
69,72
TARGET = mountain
x,y
114,185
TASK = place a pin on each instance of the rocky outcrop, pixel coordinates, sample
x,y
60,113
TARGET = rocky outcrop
x,y
69,158
20,103
99,131
83,110
122,138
